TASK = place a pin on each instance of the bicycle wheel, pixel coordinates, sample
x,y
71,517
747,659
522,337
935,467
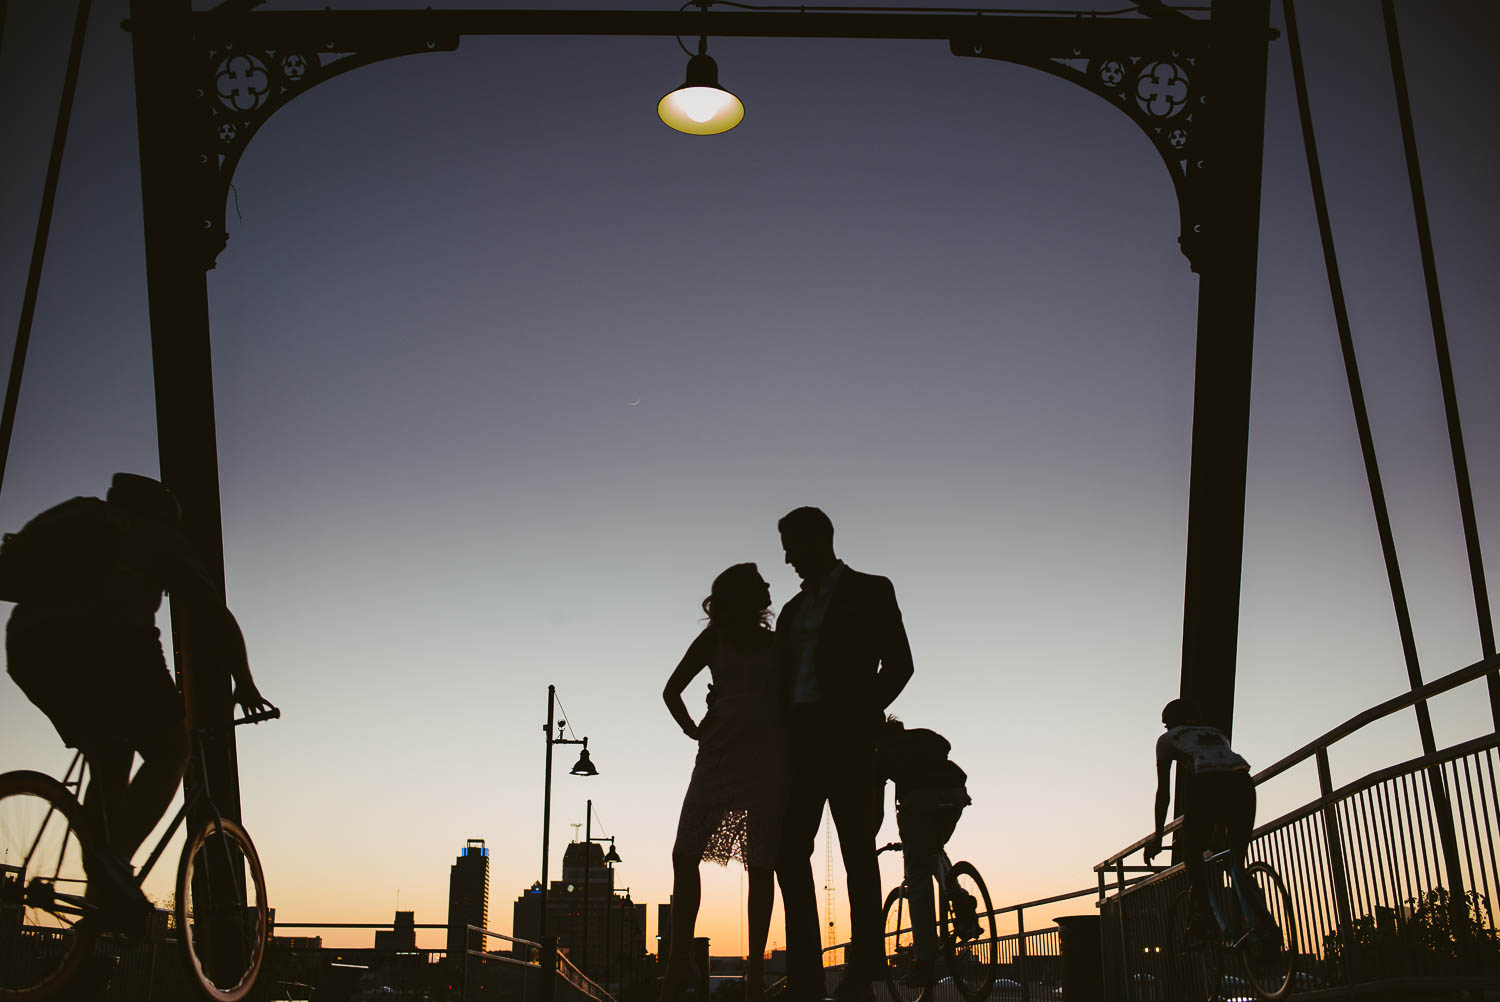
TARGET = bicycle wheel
x,y
222,915
900,948
1195,969
972,940
1269,956
44,936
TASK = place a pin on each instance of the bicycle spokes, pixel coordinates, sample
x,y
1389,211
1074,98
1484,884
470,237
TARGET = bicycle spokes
x,y
1269,949
221,910
42,887
970,923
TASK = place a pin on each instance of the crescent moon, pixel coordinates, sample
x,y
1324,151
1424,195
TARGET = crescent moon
x,y
632,403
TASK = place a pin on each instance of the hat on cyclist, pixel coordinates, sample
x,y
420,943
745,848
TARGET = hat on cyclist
x,y
144,497
1180,711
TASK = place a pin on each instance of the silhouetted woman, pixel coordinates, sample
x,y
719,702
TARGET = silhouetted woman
x,y
736,798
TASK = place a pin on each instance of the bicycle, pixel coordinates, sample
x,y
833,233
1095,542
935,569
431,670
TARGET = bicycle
x,y
970,953
48,924
1266,956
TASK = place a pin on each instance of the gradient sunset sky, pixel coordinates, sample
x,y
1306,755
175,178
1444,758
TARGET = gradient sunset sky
x,y
940,298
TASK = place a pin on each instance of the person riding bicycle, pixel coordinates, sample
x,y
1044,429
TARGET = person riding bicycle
x,y
1220,796
930,797
82,643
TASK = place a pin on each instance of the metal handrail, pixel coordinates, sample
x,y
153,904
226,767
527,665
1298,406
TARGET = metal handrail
x,y
490,933
570,973
1435,688
1453,680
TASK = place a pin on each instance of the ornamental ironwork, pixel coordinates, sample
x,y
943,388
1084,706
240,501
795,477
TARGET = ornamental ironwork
x,y
244,86
1161,92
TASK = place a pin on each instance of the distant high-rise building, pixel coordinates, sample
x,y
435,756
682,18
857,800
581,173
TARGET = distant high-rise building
x,y
402,935
617,925
468,897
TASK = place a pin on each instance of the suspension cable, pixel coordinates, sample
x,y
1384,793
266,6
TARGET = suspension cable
x,y
1445,363
44,224
1351,370
1447,835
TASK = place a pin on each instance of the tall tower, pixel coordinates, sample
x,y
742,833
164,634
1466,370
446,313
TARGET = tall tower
x,y
468,897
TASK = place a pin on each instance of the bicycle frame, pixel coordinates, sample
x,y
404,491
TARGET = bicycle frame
x,y
1243,889
199,795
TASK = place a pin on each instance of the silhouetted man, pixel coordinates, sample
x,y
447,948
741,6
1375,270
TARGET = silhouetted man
x,y
846,657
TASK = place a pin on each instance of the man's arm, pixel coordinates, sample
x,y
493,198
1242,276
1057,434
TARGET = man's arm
x,y
189,583
895,650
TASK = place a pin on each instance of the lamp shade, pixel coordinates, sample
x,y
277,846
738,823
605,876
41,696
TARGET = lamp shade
x,y
700,107
611,856
584,767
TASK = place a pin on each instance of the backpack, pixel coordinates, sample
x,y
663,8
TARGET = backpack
x,y
60,555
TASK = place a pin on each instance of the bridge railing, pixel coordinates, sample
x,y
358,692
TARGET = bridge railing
x,y
547,975
1028,962
1392,876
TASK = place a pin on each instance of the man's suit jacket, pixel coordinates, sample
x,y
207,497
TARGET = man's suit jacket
x,y
862,659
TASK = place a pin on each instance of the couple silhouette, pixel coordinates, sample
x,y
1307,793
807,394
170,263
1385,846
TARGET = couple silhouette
x,y
793,720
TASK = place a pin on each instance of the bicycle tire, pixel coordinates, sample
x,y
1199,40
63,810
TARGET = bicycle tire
x,y
1269,963
900,947
972,960
1196,970
224,969
43,939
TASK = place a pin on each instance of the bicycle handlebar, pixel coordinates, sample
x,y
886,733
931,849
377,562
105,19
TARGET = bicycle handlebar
x,y
255,718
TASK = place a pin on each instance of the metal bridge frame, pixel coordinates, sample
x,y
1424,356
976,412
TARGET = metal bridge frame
x,y
206,81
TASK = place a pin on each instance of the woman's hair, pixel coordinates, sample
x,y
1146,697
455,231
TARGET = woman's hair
x,y
736,604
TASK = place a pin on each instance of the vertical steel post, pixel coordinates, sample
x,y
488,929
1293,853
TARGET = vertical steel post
x,y
547,976
1334,839
546,820
177,294
1021,954
1240,34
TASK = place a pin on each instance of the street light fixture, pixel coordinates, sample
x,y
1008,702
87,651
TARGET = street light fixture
x,y
700,107
583,767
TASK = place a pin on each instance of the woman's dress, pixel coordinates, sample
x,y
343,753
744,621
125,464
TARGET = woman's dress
x,y
737,796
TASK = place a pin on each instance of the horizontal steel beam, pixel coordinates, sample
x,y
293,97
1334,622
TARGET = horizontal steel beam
x,y
1037,35
357,925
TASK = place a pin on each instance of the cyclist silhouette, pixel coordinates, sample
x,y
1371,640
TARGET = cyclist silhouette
x,y
930,797
1220,799
88,576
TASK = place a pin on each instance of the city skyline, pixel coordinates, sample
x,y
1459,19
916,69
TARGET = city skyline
x,y
498,396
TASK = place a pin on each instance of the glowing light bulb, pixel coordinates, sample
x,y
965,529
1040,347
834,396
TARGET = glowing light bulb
x,y
702,103
700,106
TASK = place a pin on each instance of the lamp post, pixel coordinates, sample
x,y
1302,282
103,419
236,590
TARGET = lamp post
x,y
611,857
583,767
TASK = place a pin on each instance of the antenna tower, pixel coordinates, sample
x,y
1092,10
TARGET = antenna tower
x,y
831,937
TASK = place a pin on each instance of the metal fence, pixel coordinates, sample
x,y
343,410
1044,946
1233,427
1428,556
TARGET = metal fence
x,y
1392,878
1028,962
